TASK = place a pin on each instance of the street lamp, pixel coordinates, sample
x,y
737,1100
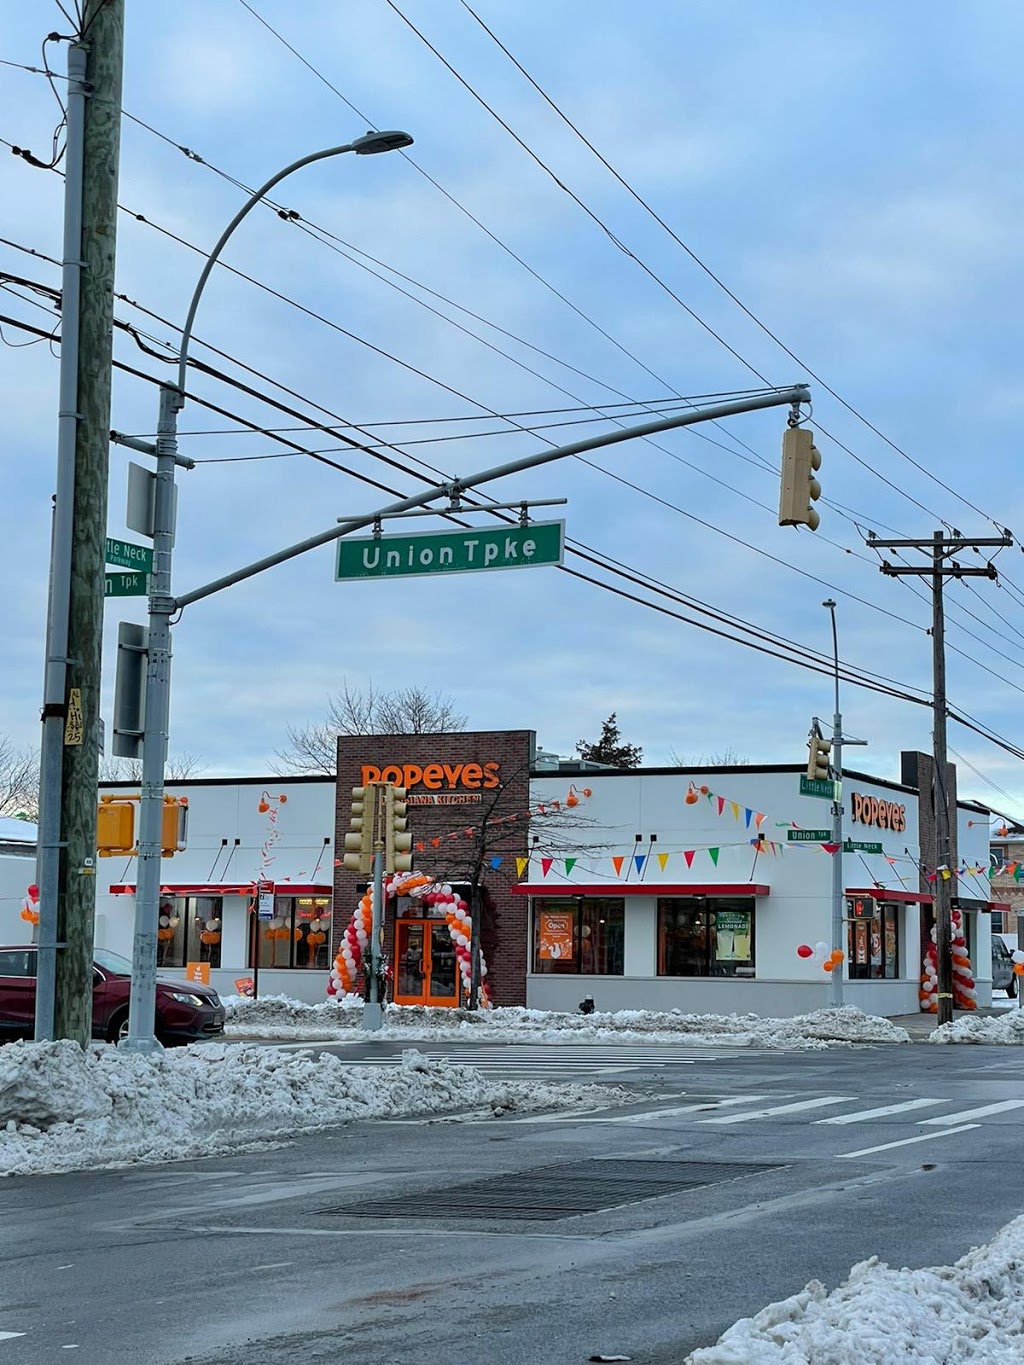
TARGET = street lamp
x,y
142,1006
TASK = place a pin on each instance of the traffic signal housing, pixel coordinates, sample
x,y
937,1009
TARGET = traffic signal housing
x,y
818,757
116,827
358,855
397,840
799,489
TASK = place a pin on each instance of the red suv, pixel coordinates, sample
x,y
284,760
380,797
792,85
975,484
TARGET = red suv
x,y
186,1011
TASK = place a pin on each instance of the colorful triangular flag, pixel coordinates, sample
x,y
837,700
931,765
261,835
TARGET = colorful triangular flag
x,y
570,863
521,865
640,859
663,860
721,804
688,855
734,806
545,866
617,864
713,855
748,815
758,819
496,862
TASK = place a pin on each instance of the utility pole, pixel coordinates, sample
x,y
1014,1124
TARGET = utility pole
x,y
941,547
103,27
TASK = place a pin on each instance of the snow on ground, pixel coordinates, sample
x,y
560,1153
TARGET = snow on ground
x,y
62,1109
971,1313
974,1028
279,1017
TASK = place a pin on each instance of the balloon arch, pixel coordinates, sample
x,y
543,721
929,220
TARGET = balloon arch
x,y
348,961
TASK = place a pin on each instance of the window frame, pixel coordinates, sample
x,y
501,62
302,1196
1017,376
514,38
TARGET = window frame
x,y
606,958
711,965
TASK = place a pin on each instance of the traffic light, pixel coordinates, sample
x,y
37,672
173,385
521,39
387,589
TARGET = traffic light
x,y
174,826
115,827
799,488
358,856
397,841
818,758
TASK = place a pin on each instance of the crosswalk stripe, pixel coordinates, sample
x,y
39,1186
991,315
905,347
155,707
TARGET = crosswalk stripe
x,y
819,1102
862,1115
907,1142
665,1113
967,1114
9,1336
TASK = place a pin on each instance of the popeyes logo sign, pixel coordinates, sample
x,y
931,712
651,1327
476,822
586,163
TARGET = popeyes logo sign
x,y
435,776
868,810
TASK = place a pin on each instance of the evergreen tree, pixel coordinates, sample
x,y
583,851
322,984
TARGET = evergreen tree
x,y
610,749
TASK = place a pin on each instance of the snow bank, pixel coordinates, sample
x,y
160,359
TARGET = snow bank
x,y
62,1109
279,1017
1003,1028
971,1312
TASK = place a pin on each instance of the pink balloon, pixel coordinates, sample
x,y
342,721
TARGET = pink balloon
x,y
804,951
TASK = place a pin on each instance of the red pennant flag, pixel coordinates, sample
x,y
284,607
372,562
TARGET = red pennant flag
x,y
617,864
831,848
758,819
546,865
721,804
688,855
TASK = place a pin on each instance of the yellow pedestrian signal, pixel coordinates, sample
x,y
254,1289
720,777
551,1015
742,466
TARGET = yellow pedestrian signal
x,y
799,489
115,827
358,855
397,840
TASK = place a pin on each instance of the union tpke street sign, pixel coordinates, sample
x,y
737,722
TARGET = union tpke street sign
x,y
128,556
440,552
809,836
126,585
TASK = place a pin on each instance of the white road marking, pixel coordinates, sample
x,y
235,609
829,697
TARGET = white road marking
x,y
1000,1108
647,1114
862,1115
906,1142
274,1265
796,1107
9,1336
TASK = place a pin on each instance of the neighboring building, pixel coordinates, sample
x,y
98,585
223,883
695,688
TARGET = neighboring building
x,y
17,874
1007,857
659,888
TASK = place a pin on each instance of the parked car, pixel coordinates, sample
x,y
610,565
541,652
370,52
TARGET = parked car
x,y
1003,978
186,1012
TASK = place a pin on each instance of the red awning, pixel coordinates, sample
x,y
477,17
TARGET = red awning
x,y
884,894
642,889
226,889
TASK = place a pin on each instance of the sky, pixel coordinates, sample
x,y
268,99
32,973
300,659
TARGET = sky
x,y
847,172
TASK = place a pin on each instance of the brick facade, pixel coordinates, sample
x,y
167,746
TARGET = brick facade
x,y
918,771
504,920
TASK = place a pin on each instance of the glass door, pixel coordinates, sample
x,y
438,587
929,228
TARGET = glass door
x,y
410,963
426,969
442,980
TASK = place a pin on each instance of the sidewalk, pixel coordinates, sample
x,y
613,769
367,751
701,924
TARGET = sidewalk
x,y
920,1025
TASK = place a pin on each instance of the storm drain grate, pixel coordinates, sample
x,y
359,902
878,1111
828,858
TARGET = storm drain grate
x,y
562,1191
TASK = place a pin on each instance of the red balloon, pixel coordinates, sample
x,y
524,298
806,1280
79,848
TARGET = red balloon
x,y
804,951
33,892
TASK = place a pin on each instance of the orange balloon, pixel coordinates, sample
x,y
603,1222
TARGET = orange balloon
x,y
283,799
827,966
1018,968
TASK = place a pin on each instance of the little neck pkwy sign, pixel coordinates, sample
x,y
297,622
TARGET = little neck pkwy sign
x,y
441,552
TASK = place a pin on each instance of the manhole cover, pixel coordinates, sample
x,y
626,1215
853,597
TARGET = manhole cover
x,y
563,1191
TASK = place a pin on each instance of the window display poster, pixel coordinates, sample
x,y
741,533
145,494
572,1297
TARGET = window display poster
x,y
732,936
198,971
555,935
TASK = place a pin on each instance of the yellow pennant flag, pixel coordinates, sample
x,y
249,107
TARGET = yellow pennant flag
x,y
521,865
663,860
734,807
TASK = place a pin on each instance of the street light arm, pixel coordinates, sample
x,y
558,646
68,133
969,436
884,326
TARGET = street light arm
x,y
211,260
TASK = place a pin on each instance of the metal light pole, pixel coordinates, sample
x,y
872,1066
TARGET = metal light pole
x,y
838,889
142,1006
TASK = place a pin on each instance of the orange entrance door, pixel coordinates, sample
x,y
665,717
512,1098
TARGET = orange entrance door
x,y
426,971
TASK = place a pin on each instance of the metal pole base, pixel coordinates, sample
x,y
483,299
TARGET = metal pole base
x,y
373,1015
140,1045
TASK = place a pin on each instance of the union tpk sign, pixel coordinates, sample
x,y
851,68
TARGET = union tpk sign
x,y
441,552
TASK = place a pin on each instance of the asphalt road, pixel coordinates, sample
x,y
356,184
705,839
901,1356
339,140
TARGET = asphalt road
x,y
643,1231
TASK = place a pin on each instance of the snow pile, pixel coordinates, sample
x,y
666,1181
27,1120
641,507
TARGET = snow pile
x,y
65,1109
971,1312
279,1017
1004,1028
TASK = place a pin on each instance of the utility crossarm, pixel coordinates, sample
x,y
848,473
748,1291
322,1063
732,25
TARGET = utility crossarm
x,y
452,488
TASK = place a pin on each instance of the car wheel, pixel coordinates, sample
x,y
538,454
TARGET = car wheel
x,y
117,1029
1011,989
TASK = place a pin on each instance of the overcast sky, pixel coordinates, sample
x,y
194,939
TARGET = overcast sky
x,y
848,171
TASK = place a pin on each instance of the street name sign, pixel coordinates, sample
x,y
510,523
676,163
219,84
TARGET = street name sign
x,y
441,552
853,846
809,836
822,787
128,556
125,585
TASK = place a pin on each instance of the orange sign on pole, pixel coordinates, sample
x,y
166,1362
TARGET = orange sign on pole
x,y
556,936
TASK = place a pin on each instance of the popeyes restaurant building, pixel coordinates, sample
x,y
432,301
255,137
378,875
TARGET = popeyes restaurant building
x,y
663,888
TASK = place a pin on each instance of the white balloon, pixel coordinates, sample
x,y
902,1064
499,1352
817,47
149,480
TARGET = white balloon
x,y
822,949
1017,955
164,921
446,889
175,920
483,968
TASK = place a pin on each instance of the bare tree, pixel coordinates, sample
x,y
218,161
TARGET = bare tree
x,y
728,758
19,781
352,711
178,767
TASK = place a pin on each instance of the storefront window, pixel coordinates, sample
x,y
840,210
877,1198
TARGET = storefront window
x,y
189,930
578,936
873,943
299,935
706,937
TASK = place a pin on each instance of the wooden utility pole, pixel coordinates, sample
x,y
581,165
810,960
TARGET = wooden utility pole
x,y
103,37
941,547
